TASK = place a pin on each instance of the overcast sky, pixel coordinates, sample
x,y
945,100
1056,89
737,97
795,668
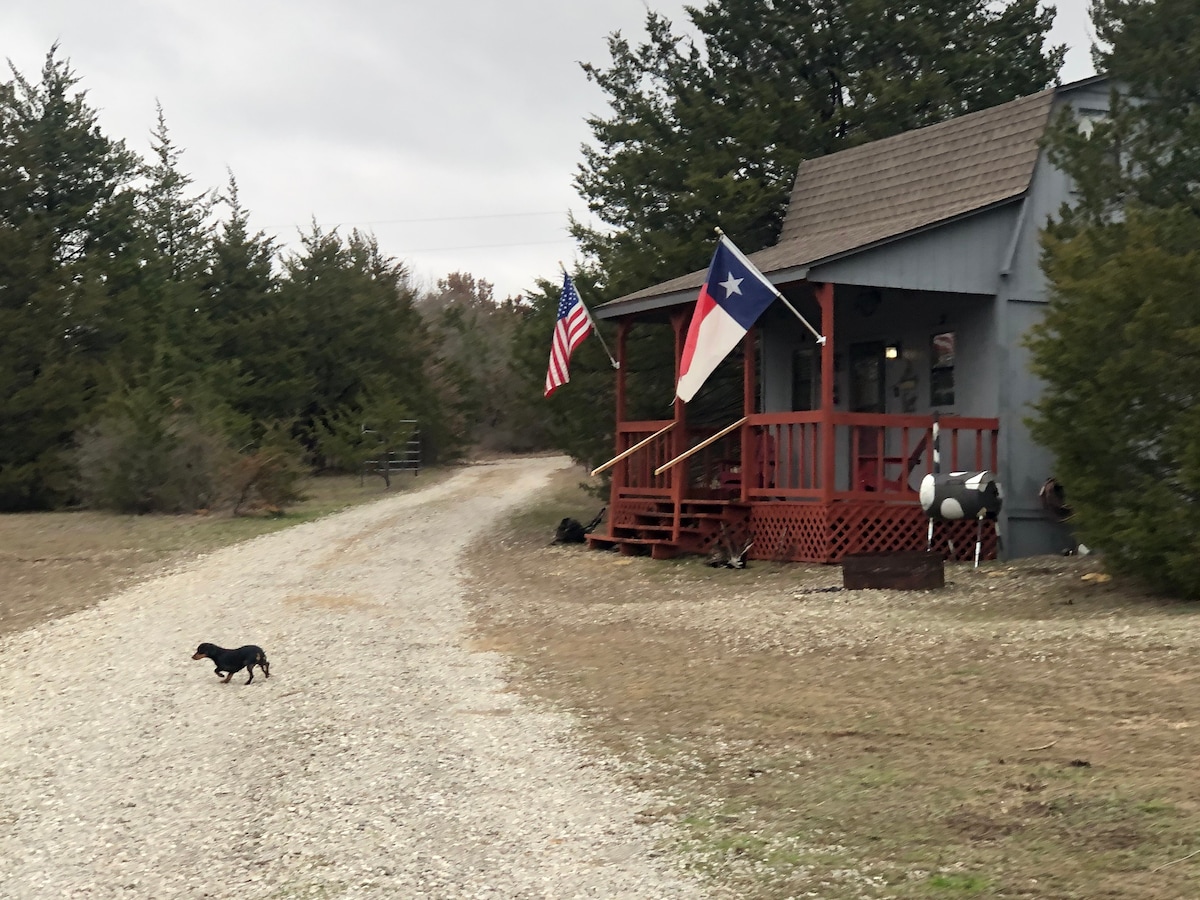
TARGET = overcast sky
x,y
450,128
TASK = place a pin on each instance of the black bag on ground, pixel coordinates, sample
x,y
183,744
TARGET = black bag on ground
x,y
572,531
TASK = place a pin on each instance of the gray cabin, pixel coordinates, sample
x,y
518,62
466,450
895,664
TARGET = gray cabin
x,y
918,255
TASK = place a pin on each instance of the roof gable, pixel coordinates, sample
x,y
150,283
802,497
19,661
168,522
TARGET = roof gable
x,y
888,188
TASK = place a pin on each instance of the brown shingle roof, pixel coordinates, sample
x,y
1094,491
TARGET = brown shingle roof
x,y
874,192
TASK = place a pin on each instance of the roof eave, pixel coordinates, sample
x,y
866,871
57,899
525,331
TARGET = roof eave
x,y
616,308
797,272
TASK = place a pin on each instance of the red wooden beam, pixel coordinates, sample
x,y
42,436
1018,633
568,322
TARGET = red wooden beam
x,y
824,295
750,462
677,477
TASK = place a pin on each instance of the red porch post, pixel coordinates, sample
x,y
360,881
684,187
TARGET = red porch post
x,y
622,340
679,438
749,377
824,294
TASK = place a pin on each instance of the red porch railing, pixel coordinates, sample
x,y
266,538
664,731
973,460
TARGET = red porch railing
x,y
817,488
876,456
634,475
706,474
788,453
889,455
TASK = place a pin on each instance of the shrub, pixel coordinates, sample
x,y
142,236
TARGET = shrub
x,y
149,455
1119,351
267,479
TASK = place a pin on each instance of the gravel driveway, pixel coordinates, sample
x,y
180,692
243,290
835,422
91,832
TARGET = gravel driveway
x,y
382,758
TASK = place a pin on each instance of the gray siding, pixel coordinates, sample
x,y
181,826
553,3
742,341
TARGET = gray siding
x,y
1026,465
1022,296
963,256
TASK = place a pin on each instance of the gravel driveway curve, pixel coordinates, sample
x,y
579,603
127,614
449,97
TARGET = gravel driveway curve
x,y
383,758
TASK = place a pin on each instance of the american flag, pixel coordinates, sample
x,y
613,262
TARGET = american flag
x,y
572,326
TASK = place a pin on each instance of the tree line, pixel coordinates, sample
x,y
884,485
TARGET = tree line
x,y
158,353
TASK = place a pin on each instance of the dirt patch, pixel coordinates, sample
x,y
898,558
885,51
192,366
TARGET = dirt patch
x,y
1024,732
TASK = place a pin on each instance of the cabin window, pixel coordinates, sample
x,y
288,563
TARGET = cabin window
x,y
941,370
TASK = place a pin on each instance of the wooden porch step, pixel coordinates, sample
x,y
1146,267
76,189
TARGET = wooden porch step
x,y
659,526
701,504
652,530
632,546
689,517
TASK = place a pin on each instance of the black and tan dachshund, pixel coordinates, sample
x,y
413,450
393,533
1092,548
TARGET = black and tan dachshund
x,y
230,661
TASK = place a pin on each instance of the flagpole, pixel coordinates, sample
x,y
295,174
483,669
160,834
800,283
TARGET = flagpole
x,y
820,337
595,330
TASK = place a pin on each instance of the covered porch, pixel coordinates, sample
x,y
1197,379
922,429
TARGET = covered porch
x,y
800,485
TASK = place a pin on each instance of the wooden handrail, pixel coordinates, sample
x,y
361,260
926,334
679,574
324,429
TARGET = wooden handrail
x,y
632,450
700,446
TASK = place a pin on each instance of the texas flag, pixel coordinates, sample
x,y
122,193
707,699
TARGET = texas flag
x,y
734,295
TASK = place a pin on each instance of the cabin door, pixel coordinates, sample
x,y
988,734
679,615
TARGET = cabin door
x,y
866,377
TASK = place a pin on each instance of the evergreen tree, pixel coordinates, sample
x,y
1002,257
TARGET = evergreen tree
x,y
250,337
164,312
1119,350
359,341
65,228
1146,151
163,437
176,221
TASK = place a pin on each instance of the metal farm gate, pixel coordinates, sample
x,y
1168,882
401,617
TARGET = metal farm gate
x,y
388,460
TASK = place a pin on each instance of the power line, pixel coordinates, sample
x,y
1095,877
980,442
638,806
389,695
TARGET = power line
x,y
483,246
355,224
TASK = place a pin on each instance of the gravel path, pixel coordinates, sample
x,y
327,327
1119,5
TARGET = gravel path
x,y
382,758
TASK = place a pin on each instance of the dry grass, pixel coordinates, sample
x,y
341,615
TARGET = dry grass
x,y
55,563
1022,733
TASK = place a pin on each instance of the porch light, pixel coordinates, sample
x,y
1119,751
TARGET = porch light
x,y
891,351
